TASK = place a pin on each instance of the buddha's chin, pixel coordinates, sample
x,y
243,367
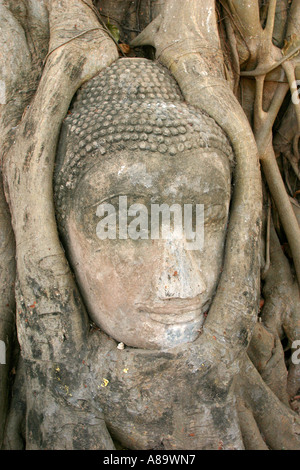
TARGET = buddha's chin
x,y
161,332
185,330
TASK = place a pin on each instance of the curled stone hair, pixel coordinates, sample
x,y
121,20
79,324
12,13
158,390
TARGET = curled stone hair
x,y
135,104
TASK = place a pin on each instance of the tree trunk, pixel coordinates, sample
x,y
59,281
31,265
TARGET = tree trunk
x,y
68,385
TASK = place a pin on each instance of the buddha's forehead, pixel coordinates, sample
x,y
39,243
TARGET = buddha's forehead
x,y
197,171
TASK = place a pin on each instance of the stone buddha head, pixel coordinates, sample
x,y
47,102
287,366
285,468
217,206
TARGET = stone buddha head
x,y
142,191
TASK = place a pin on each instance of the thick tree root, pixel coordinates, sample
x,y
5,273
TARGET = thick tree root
x,y
45,282
203,85
251,435
279,425
266,353
52,322
15,429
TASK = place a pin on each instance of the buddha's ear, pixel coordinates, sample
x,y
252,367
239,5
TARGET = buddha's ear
x,y
52,321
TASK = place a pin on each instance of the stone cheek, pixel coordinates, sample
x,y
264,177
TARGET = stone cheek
x,y
135,105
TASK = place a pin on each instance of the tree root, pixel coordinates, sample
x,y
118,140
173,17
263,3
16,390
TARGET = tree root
x,y
270,414
250,432
15,429
7,303
41,262
283,205
203,85
52,322
45,285
264,58
266,353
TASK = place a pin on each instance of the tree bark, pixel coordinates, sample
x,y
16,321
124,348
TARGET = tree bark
x,y
244,379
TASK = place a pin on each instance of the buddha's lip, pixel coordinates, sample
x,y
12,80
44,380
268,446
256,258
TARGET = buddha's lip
x,y
174,313
172,319
173,307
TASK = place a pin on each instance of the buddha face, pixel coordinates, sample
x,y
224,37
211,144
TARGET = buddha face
x,y
149,292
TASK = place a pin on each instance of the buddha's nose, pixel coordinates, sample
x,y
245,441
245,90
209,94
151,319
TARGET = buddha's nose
x,y
179,276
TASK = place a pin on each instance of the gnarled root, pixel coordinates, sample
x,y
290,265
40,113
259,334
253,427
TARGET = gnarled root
x,y
52,322
252,437
15,429
270,414
51,318
196,62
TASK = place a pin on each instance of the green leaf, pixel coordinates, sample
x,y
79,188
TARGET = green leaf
x,y
114,31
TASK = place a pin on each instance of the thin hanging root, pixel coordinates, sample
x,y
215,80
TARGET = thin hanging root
x,y
283,205
234,54
268,31
264,121
267,251
289,69
263,124
259,114
233,22
296,149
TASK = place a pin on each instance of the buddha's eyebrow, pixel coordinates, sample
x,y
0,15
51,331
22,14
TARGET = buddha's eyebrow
x,y
197,191
215,189
113,196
